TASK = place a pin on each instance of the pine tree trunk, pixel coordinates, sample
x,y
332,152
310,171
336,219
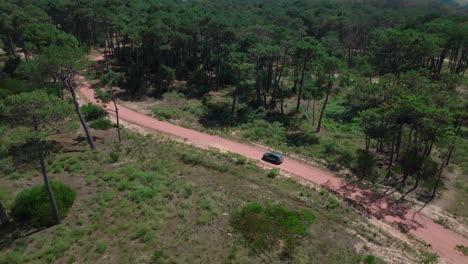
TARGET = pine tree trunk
x,y
282,98
449,154
3,215
313,112
323,107
12,47
392,152
47,184
300,86
82,121
116,114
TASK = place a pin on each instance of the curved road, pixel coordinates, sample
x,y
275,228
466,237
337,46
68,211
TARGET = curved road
x,y
441,240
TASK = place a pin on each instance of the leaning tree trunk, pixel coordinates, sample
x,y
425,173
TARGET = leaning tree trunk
x,y
460,123
49,190
3,215
82,121
301,84
323,107
116,114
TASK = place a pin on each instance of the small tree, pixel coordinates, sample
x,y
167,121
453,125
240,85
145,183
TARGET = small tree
x,y
61,64
40,114
365,163
330,66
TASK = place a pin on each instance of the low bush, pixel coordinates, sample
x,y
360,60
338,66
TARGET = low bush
x,y
463,249
33,204
101,247
6,165
114,156
371,259
159,257
273,173
104,96
197,159
332,203
101,124
93,112
68,164
164,113
364,163
428,258
271,228
302,139
271,133
198,111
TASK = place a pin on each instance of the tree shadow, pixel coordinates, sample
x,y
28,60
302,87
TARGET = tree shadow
x,y
372,204
16,230
78,140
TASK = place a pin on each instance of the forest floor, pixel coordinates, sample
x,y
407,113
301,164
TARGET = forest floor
x,y
440,240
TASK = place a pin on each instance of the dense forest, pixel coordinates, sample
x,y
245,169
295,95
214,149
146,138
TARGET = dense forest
x,y
376,87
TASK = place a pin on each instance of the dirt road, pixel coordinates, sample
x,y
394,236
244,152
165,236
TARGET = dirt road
x,y
441,240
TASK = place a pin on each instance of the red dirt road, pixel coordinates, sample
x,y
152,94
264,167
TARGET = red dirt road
x,y
442,241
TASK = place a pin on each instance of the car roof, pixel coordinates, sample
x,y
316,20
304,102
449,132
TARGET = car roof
x,y
279,156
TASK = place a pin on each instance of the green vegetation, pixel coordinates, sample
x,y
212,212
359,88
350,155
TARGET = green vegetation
x,y
463,249
177,192
33,204
271,228
375,90
428,258
93,112
273,173
371,259
101,124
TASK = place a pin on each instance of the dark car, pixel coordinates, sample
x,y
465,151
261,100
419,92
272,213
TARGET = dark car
x,y
274,158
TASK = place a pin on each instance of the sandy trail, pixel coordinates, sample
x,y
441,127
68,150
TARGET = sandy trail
x,y
441,240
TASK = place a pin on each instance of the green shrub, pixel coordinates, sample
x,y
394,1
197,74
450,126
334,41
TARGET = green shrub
x,y
164,113
371,259
365,163
15,175
241,160
332,203
33,204
101,247
104,96
71,259
302,139
271,133
463,249
93,112
428,258
6,165
114,156
159,257
101,124
200,160
271,228
194,109
273,173
13,257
